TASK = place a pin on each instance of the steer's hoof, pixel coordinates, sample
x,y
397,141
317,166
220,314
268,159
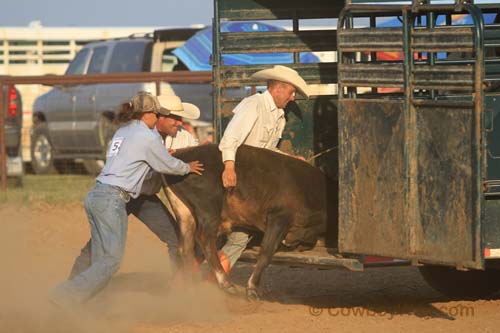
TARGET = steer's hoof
x,y
231,290
252,295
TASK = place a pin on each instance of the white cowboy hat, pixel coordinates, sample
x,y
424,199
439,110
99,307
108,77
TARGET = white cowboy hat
x,y
171,104
283,74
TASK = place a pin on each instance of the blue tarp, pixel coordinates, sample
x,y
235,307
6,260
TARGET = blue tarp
x,y
196,52
458,19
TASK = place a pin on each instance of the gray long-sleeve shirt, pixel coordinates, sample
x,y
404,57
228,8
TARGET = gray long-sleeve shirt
x,y
134,151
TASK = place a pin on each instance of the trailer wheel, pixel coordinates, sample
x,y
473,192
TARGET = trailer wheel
x,y
454,283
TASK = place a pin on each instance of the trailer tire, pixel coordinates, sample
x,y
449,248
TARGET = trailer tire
x,y
454,283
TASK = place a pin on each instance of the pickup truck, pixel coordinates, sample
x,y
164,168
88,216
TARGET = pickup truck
x,y
75,123
13,122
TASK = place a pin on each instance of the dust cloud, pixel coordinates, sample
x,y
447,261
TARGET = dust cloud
x,y
37,248
39,244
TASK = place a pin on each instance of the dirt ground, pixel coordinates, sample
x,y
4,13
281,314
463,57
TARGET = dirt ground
x,y
39,244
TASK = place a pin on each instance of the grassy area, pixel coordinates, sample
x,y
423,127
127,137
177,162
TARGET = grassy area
x,y
49,189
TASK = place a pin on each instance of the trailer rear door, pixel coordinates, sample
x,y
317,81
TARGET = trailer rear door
x,y
411,162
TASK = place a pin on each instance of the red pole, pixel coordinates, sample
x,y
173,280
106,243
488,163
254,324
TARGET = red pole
x,y
3,153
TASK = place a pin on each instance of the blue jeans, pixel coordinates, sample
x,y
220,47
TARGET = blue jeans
x,y
152,212
236,243
107,216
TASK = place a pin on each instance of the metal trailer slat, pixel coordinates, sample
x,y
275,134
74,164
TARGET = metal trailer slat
x,y
442,39
444,77
235,76
372,75
370,39
278,41
241,10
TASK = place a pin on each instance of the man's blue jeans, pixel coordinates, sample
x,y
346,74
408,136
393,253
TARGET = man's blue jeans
x,y
152,212
108,220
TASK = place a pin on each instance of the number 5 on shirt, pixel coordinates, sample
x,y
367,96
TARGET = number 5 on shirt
x,y
114,148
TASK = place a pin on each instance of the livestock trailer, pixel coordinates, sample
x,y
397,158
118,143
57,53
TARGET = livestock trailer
x,y
404,116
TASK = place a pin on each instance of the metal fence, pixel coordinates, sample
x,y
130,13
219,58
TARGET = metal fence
x,y
63,80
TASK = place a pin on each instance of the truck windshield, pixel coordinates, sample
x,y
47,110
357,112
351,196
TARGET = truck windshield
x,y
128,57
77,66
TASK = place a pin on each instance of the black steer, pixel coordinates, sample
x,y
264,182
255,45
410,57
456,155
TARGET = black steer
x,y
285,198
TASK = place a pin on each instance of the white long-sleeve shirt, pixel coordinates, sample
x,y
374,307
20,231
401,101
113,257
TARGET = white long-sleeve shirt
x,y
152,184
182,139
257,122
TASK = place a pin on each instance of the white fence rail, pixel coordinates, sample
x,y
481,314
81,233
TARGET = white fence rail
x,y
37,50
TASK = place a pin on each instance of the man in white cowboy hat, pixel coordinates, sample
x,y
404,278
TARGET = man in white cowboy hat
x,y
258,121
170,126
147,207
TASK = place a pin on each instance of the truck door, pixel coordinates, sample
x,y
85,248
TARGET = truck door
x,y
411,162
61,100
84,116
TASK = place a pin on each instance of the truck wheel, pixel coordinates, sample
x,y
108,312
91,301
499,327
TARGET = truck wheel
x,y
16,182
106,131
454,283
93,167
42,155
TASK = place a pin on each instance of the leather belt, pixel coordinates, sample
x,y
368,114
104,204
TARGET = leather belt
x,y
123,194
